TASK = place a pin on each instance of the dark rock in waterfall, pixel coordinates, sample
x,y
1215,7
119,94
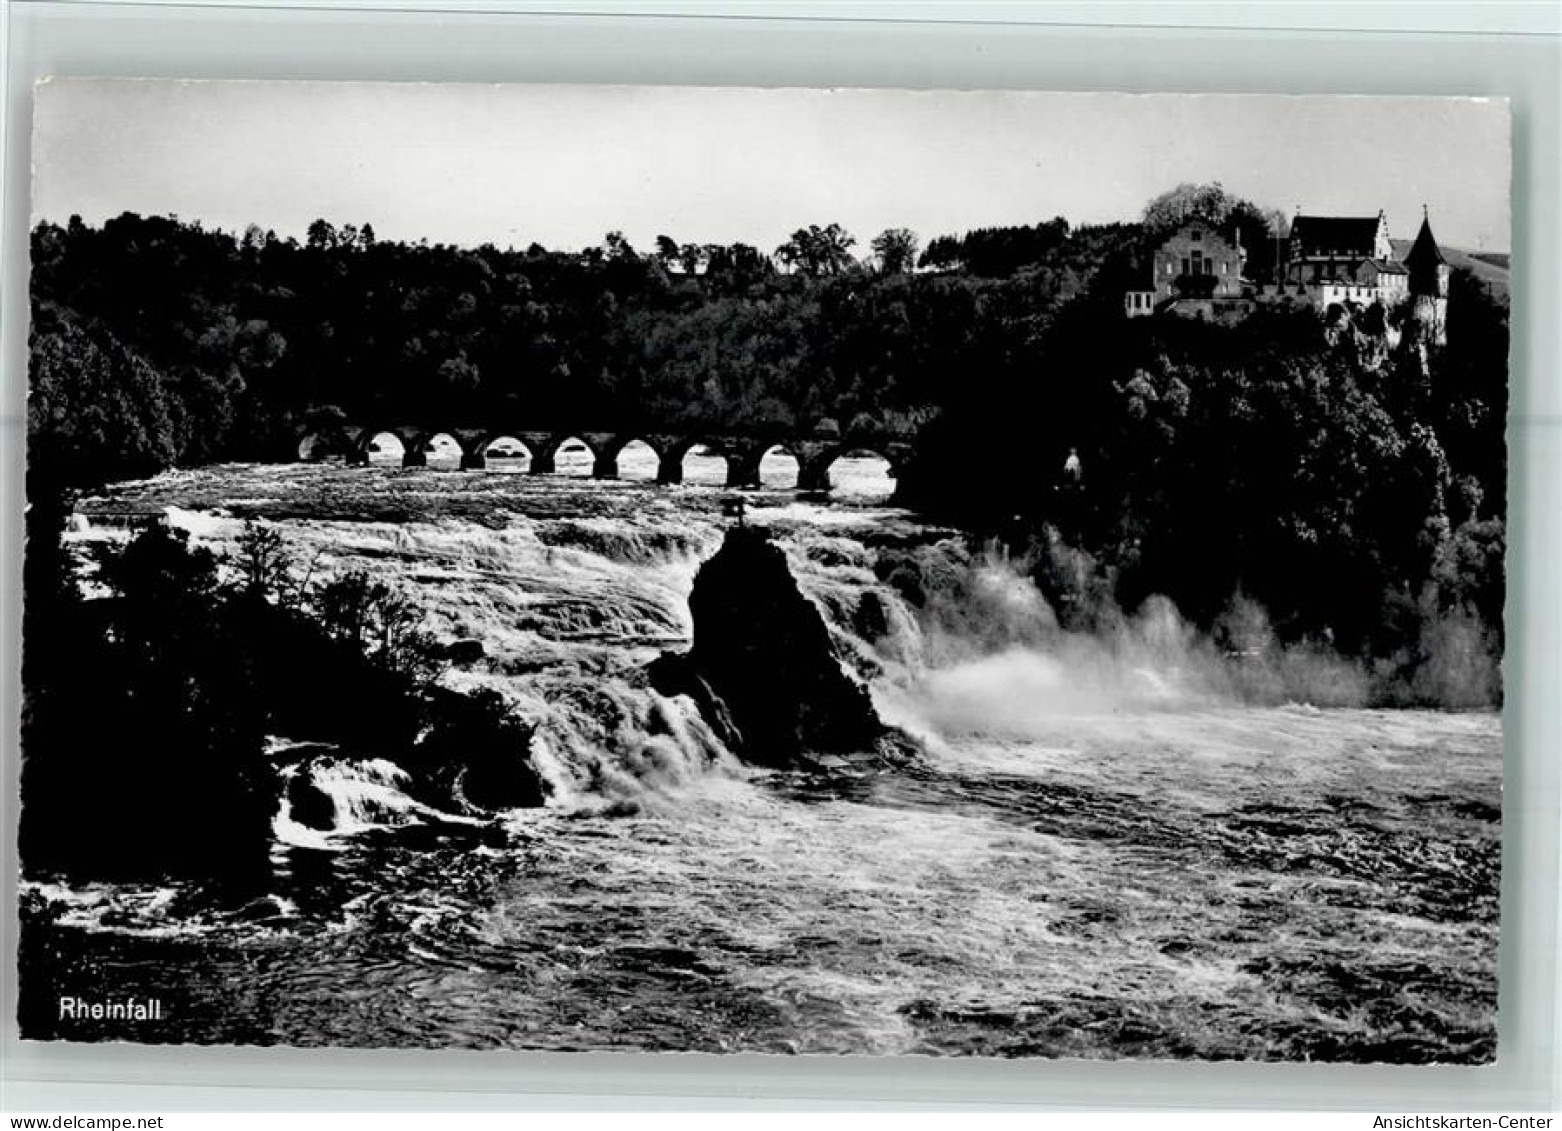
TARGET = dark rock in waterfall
x,y
476,755
762,666
871,617
463,652
308,804
674,673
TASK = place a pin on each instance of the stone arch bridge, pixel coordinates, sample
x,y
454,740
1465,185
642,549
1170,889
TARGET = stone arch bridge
x,y
814,452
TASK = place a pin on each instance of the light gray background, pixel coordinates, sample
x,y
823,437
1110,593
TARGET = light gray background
x,y
507,164
1484,49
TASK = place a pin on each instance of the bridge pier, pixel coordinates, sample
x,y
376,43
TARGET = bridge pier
x,y
604,467
813,475
414,456
813,464
743,468
474,461
669,470
542,462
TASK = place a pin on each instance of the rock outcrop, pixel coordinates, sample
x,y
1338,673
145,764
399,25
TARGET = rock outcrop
x,y
762,669
475,756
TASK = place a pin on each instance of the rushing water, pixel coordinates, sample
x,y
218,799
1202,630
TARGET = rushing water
x,y
1100,853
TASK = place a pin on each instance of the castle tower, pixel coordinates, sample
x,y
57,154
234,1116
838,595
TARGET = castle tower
x,y
1429,280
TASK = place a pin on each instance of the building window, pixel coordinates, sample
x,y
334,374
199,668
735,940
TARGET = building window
x,y
1197,235
1185,270
1223,267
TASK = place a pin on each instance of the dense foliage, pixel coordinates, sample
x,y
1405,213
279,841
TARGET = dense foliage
x,y
148,706
1352,486
158,342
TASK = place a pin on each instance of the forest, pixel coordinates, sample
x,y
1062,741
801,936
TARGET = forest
x,y
1354,491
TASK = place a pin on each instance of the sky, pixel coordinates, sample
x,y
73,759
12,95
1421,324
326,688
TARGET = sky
x,y
563,165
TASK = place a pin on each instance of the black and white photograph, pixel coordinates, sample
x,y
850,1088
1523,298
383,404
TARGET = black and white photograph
x,y
797,571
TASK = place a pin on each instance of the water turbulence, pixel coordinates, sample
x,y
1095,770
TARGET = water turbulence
x,y
1089,845
327,796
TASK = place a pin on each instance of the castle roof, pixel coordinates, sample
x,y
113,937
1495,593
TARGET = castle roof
x,y
1424,253
1334,235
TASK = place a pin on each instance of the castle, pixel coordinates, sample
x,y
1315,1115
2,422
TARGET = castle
x,y
1328,264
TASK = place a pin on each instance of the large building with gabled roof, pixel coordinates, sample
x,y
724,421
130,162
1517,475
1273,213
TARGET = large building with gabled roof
x,y
1329,262
1318,239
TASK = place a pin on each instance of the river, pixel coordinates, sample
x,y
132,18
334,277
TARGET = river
x,y
1101,853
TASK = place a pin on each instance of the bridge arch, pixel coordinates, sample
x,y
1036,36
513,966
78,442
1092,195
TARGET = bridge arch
x,y
629,456
611,445
778,467
503,451
389,445
863,469
316,444
444,449
713,466
566,453
448,446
